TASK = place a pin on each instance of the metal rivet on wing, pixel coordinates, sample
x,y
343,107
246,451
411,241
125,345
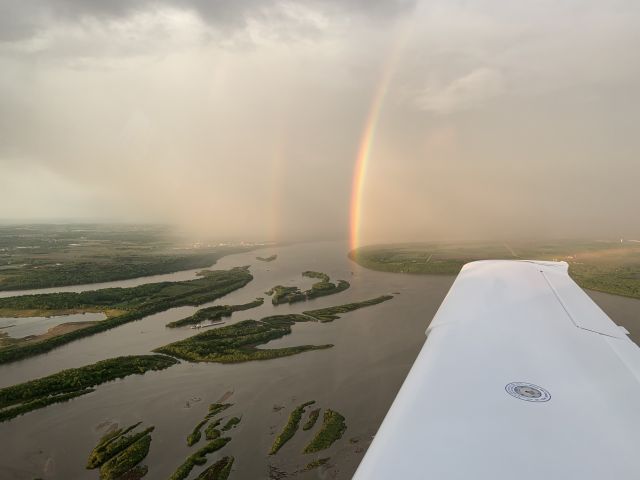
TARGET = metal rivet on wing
x,y
528,391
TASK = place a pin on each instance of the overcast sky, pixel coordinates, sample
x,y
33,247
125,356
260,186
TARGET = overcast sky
x,y
242,119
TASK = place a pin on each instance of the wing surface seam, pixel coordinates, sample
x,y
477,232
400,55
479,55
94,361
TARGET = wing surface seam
x,y
566,310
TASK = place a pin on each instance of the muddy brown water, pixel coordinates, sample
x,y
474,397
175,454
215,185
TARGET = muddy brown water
x,y
358,377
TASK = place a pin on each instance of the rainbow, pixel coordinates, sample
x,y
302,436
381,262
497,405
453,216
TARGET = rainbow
x,y
366,141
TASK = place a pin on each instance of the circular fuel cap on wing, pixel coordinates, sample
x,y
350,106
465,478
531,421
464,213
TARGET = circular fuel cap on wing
x,y
528,392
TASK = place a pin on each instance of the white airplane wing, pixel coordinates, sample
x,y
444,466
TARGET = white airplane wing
x,y
522,377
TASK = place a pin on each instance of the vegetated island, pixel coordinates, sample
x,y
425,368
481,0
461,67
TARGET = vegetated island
x,y
290,428
198,458
118,455
41,256
332,429
129,304
333,426
214,313
231,423
311,421
281,294
267,259
218,471
221,469
238,342
606,266
211,432
231,344
330,314
315,464
195,436
59,387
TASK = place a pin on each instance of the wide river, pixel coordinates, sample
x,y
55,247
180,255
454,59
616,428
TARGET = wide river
x,y
358,377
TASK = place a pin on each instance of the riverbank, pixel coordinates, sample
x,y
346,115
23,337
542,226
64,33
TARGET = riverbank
x,y
605,266
47,256
136,303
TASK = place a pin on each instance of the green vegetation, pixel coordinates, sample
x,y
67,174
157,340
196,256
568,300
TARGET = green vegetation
x,y
221,469
431,258
319,275
198,458
61,386
606,266
331,313
286,295
316,463
313,417
113,443
232,422
153,297
267,259
95,457
118,455
322,288
39,256
136,302
212,432
609,275
13,412
215,313
237,343
333,426
136,473
196,434
218,471
290,428
127,460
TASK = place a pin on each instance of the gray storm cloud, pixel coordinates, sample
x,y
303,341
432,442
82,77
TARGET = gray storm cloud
x,y
244,119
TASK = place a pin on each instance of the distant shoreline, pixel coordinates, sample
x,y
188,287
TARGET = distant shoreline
x,y
55,256
608,267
